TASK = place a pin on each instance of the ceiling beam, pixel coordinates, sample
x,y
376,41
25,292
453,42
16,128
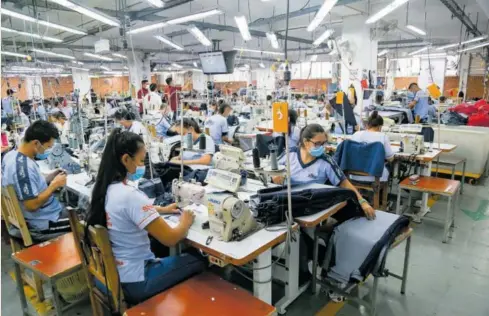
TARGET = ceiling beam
x,y
459,13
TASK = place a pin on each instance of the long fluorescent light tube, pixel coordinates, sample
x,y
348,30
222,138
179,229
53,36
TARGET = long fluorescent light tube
x,y
474,47
272,37
79,68
91,13
314,58
418,51
323,37
13,54
258,51
48,63
125,67
187,18
46,38
242,24
177,66
77,62
383,52
480,38
261,65
156,3
41,22
435,55
199,35
119,55
98,56
416,30
45,52
105,68
195,64
168,42
323,11
388,9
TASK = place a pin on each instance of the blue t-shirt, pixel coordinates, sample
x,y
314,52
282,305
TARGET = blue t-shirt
x,y
129,211
7,106
218,127
24,174
321,170
41,111
162,127
210,149
421,108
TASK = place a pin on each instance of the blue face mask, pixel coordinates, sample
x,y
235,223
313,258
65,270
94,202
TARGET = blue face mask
x,y
44,155
140,170
317,151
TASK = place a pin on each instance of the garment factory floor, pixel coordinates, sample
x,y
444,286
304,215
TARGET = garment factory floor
x,y
444,279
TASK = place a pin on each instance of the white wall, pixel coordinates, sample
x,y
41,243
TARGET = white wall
x,y
311,70
81,80
237,75
34,87
435,75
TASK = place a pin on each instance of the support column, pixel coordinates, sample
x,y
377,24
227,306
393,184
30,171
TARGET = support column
x,y
82,82
463,72
34,88
139,70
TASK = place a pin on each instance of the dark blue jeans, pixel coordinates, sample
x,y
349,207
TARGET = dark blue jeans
x,y
160,275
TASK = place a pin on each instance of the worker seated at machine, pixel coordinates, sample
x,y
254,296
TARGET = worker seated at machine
x,y
294,130
163,125
310,164
299,103
130,216
35,192
128,120
63,126
193,155
371,135
218,125
247,108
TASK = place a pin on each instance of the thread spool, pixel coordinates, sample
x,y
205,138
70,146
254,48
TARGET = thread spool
x,y
202,143
256,158
273,158
188,141
305,112
207,131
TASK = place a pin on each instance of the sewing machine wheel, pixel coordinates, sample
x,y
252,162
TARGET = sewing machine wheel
x,y
237,210
57,150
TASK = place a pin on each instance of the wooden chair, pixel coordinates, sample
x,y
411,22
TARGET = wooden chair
x,y
377,187
98,262
13,217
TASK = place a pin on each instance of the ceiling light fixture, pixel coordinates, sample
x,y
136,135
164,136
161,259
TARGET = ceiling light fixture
x,y
323,37
383,52
177,66
418,51
314,58
98,56
105,68
79,68
125,67
261,65
156,3
195,64
77,62
272,37
258,51
435,55
47,63
168,42
416,30
45,52
199,35
187,18
323,11
119,55
480,38
474,47
46,38
94,14
388,9
242,24
41,22
13,54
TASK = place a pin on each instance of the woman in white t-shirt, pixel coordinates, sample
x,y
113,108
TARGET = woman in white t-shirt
x,y
130,217
128,121
371,135
63,126
152,101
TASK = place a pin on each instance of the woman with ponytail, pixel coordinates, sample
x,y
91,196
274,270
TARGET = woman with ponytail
x,y
130,217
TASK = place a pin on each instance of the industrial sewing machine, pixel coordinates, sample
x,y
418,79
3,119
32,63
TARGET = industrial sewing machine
x,y
409,136
229,217
229,158
168,147
59,158
187,193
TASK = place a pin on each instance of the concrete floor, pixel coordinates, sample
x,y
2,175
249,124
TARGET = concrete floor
x,y
444,279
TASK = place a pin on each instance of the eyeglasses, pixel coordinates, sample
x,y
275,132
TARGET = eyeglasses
x,y
318,144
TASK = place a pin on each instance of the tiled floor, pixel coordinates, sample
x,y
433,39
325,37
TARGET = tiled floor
x,y
444,279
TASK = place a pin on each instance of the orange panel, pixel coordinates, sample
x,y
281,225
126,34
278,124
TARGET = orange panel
x,y
107,85
229,88
50,258
433,185
13,83
475,87
404,82
311,86
204,295
62,85
451,82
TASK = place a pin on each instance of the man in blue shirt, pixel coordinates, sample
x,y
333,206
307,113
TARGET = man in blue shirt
x,y
7,108
419,105
41,209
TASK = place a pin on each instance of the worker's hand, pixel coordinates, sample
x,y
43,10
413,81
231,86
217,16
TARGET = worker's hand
x,y
368,210
172,208
58,181
278,179
187,218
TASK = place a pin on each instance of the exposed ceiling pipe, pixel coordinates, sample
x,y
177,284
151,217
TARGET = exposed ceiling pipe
x,y
459,13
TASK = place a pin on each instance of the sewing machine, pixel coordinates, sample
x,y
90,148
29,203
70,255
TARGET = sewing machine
x,y
168,146
229,158
229,217
187,193
59,158
412,144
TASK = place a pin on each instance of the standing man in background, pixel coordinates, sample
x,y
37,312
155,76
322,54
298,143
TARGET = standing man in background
x,y
172,96
141,94
8,108
419,104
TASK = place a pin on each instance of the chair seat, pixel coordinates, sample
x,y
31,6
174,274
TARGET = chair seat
x,y
204,294
432,185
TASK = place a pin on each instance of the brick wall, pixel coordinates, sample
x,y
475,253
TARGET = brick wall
x,y
475,87
404,82
107,85
13,83
311,86
451,82
62,85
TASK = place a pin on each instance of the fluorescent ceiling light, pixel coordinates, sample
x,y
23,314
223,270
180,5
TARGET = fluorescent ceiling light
x,y
436,55
105,68
168,42
323,11
416,30
187,18
79,68
314,57
474,47
41,22
156,3
199,35
261,65
480,38
125,67
242,24
195,64
46,38
91,13
120,73
45,52
48,63
323,37
383,52
98,56
119,55
13,54
196,69
77,62
177,66
419,51
258,51
388,9
272,37
333,52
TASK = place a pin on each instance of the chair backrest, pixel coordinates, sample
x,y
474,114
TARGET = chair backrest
x,y
361,158
12,214
99,261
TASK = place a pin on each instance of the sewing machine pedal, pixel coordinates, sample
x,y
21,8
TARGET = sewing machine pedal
x,y
216,261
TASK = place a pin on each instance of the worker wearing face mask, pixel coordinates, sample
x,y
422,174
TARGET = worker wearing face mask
x,y
218,125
